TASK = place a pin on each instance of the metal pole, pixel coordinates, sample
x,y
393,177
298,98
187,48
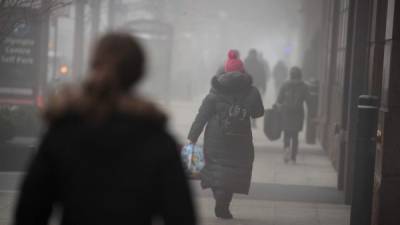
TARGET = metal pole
x,y
44,50
111,13
79,34
364,163
95,14
55,41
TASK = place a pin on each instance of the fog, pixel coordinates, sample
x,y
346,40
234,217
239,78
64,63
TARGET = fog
x,y
276,111
186,44
187,41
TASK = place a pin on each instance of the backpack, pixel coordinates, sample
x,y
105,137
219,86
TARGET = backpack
x,y
234,116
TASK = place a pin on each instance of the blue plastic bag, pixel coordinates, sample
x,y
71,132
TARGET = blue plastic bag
x,y
193,160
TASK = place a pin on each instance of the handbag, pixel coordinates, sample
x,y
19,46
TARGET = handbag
x,y
273,123
193,160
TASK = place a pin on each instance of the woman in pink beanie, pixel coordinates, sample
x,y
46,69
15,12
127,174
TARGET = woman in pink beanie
x,y
228,141
233,63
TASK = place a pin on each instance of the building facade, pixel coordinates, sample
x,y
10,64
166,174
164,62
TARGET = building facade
x,y
362,47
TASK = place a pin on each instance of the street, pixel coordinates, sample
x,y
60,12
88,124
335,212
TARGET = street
x,y
281,194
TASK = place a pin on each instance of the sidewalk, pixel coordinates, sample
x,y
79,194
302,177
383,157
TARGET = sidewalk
x,y
253,212
281,194
246,212
312,168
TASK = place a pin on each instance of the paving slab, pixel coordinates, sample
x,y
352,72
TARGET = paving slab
x,y
256,212
313,166
291,194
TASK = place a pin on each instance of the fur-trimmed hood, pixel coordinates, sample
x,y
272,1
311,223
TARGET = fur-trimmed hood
x,y
72,100
232,82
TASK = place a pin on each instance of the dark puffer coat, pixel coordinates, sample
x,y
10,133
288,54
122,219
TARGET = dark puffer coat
x,y
292,96
229,159
123,170
256,68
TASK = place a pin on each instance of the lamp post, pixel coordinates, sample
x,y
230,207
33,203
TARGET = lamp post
x,y
79,35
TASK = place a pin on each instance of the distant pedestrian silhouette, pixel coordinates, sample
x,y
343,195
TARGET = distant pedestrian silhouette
x,y
107,157
255,67
267,70
280,73
292,96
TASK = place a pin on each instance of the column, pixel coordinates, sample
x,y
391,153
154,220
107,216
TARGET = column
x,y
386,206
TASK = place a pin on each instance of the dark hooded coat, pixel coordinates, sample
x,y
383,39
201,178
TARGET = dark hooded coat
x,y
257,69
229,159
280,73
122,170
292,96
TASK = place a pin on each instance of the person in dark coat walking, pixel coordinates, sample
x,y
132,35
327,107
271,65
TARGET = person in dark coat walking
x,y
229,150
267,70
255,67
106,157
292,96
280,73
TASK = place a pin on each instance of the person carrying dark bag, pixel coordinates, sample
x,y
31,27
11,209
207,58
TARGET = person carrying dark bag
x,y
292,96
228,141
273,123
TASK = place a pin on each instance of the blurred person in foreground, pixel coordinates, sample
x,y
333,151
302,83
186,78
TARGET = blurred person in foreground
x,y
292,96
106,157
228,141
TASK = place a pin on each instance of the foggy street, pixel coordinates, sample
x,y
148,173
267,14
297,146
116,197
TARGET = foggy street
x,y
281,194
199,112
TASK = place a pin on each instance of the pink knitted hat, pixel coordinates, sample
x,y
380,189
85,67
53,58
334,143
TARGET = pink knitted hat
x,y
233,63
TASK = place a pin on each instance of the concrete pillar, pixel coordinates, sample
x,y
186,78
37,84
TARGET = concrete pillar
x,y
386,205
364,160
326,96
357,85
377,47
